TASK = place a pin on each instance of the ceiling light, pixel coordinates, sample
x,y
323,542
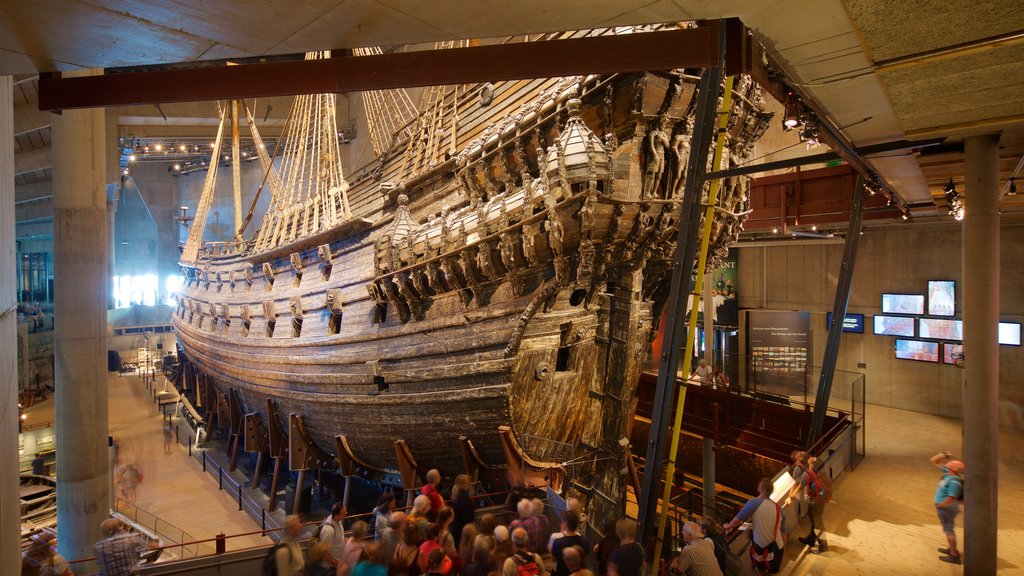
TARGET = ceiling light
x,y
158,147
814,228
177,166
775,230
131,157
183,148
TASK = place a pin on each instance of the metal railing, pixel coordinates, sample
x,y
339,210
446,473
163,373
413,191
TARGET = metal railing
x,y
175,539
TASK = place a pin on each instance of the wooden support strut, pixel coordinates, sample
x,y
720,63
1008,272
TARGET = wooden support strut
x,y
642,51
408,470
278,449
526,472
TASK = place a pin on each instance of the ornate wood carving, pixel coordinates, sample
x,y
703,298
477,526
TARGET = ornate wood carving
x,y
268,274
323,252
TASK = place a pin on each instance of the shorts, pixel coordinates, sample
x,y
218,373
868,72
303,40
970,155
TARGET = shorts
x,y
947,516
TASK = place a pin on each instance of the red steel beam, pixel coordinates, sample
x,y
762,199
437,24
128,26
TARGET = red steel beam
x,y
661,50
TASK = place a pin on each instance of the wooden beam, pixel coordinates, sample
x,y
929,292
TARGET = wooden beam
x,y
661,50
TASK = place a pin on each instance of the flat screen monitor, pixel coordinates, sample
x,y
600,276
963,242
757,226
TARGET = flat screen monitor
x,y
903,303
1009,333
920,350
941,298
950,352
894,326
940,329
852,322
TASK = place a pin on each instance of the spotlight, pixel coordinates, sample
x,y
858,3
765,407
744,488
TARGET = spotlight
x,y
775,230
124,172
904,216
131,158
791,117
177,166
183,148
158,147
814,228
956,203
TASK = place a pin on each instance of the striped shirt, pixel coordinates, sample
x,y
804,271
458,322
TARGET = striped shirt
x,y
698,559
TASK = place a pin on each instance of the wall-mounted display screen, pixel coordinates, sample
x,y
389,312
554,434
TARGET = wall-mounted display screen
x,y
894,326
941,298
950,352
940,329
1009,333
917,350
852,322
903,303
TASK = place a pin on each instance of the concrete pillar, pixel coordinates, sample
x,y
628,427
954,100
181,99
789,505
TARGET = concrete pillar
x,y
981,354
10,510
709,479
80,308
111,250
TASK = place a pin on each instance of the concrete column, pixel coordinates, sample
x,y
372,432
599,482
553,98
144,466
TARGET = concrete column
x,y
709,478
981,354
80,307
10,510
111,250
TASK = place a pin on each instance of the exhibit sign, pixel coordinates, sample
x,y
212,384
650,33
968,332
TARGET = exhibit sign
x,y
941,298
903,303
1009,333
851,322
920,350
779,345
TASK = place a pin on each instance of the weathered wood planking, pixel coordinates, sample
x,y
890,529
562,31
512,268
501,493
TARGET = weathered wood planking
x,y
501,287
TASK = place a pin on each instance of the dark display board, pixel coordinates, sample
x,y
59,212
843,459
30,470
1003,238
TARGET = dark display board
x,y
941,298
940,329
779,345
903,303
894,326
851,323
920,350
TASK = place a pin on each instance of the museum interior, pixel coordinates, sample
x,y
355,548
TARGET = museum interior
x,y
590,288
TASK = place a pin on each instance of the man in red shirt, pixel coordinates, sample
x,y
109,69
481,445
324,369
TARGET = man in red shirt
x,y
432,491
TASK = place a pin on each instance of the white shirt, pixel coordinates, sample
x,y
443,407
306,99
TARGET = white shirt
x,y
334,533
703,373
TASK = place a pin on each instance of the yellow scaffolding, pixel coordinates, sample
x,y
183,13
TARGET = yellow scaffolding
x,y
702,260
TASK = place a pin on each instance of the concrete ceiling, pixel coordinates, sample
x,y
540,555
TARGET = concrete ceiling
x,y
864,62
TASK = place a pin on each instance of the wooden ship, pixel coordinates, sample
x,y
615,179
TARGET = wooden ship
x,y
38,507
482,299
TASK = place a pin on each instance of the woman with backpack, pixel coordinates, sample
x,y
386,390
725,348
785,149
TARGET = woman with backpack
x,y
813,492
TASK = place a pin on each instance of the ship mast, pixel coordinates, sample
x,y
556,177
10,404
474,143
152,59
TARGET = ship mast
x,y
236,169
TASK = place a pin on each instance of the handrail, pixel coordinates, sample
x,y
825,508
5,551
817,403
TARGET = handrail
x,y
221,538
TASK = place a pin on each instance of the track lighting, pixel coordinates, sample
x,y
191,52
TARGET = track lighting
x,y
956,203
792,117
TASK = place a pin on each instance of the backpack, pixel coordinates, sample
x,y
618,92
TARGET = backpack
x,y
819,490
526,566
269,567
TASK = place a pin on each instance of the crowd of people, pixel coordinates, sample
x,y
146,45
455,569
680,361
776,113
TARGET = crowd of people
x,y
442,538
448,539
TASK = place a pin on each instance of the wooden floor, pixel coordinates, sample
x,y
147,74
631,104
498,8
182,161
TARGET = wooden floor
x,y
881,519
174,488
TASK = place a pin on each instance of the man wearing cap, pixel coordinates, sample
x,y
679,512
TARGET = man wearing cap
x,y
947,501
698,555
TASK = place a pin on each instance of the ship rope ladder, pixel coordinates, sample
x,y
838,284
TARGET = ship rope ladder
x,y
310,193
190,254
